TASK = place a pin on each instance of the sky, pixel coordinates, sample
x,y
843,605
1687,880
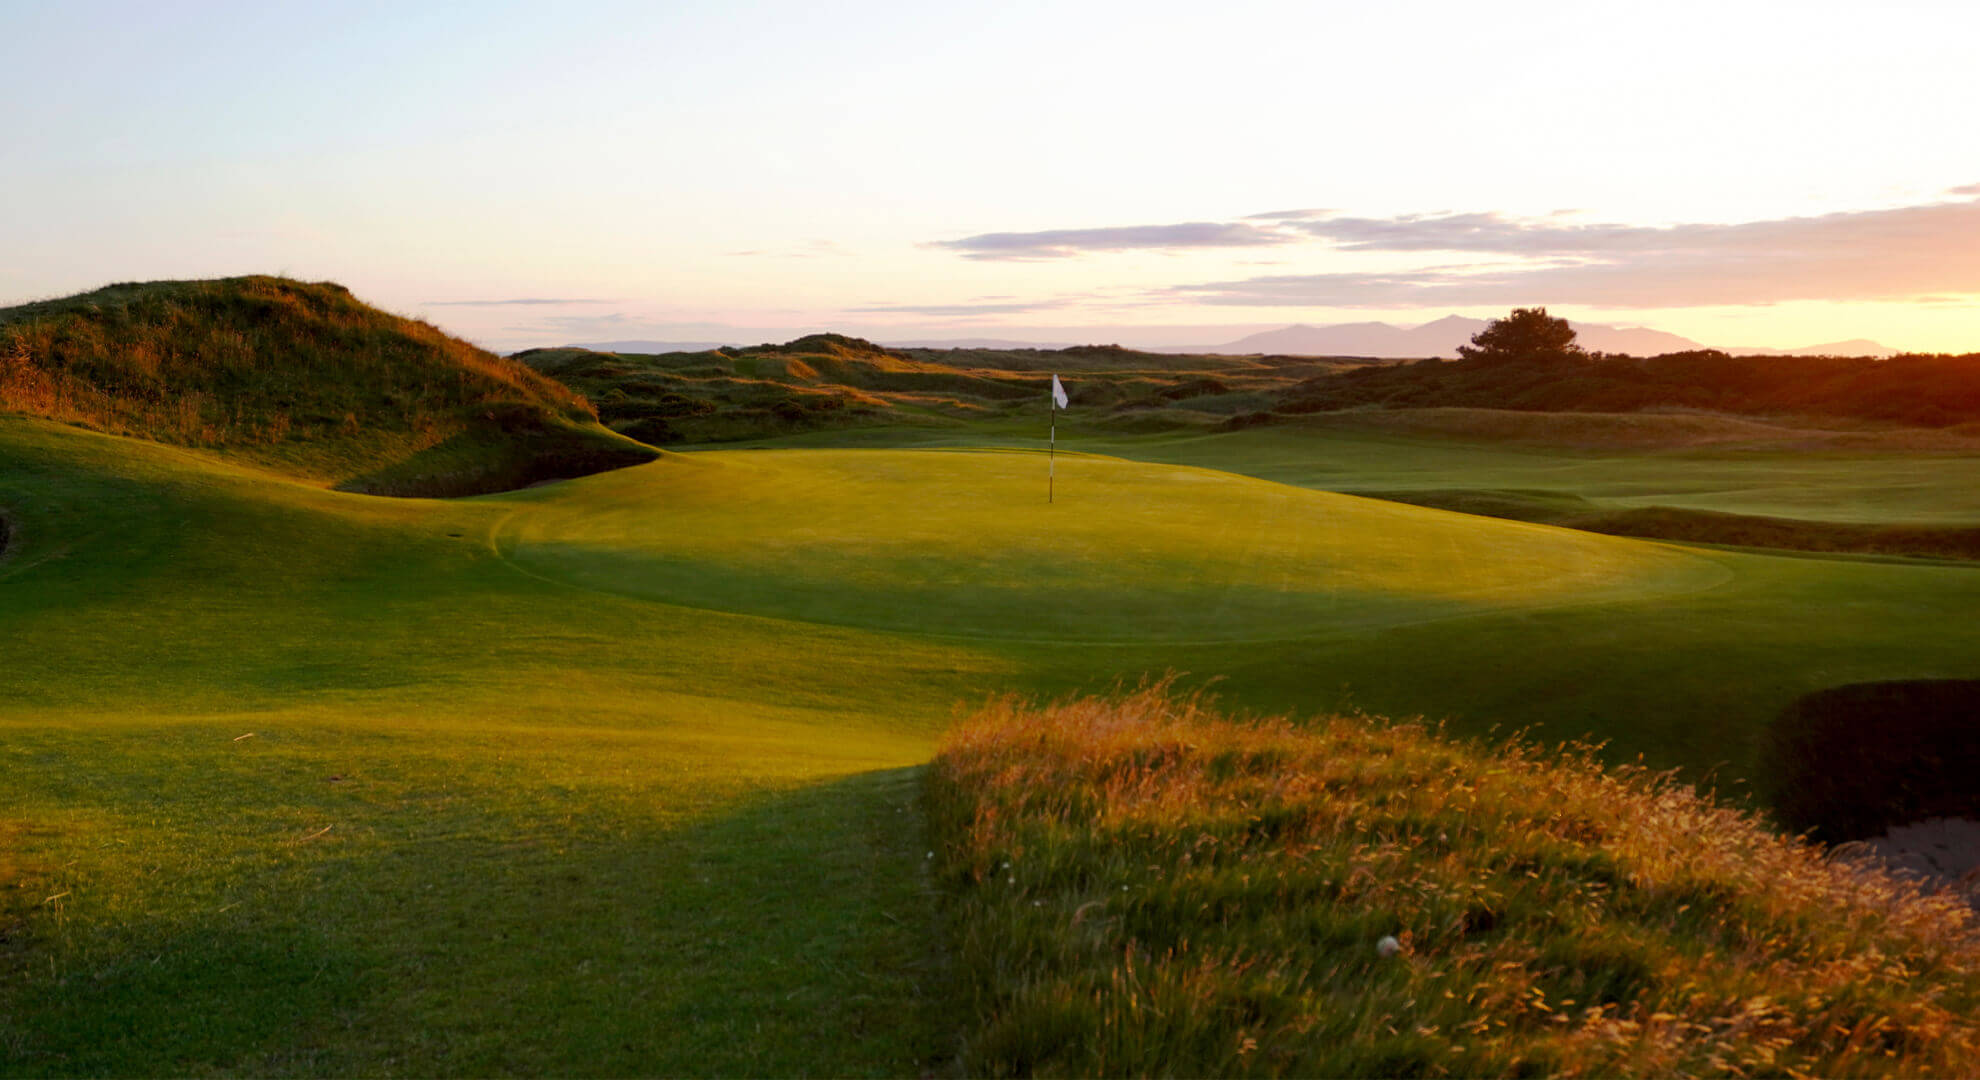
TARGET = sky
x,y
1767,174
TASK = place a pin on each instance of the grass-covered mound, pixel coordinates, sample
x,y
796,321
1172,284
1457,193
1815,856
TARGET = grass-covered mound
x,y
304,378
831,381
1141,886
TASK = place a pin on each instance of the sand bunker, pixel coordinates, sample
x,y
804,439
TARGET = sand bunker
x,y
1939,853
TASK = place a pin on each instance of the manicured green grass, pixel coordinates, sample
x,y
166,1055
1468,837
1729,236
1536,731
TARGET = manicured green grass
x,y
1874,484
610,768
966,545
566,833
1929,486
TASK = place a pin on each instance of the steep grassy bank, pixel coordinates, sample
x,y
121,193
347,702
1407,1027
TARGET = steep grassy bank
x,y
1139,885
302,378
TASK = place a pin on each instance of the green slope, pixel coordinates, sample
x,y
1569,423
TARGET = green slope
x,y
301,378
621,755
965,544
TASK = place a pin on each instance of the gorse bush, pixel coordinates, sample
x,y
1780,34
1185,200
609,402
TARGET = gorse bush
x,y
1139,885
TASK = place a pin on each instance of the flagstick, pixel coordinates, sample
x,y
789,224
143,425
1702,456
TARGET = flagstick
x,y
1052,454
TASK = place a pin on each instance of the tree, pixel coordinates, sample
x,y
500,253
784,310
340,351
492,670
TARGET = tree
x,y
1528,333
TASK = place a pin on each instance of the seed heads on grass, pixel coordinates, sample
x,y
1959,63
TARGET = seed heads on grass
x,y
1584,920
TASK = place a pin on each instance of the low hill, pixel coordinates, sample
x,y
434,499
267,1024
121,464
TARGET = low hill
x,y
1140,886
1442,338
1912,389
302,378
833,381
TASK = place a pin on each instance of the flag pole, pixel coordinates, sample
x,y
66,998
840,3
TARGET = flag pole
x,y
1059,401
1052,453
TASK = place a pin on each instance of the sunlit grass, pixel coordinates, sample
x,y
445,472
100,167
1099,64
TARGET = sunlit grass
x,y
1141,885
303,378
641,733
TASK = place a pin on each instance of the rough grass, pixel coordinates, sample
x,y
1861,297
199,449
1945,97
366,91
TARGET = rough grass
x,y
829,382
303,378
1139,886
1914,390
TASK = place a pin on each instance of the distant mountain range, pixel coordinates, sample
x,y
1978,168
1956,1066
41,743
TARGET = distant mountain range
x,y
1442,338
1376,339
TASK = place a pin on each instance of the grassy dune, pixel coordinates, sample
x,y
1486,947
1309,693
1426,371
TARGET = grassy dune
x,y
829,382
623,755
1142,886
303,378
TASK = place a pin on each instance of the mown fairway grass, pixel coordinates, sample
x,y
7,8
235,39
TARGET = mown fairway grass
x,y
611,769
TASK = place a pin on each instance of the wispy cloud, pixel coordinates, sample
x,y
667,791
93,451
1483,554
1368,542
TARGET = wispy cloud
x,y
1066,243
1287,215
527,301
1892,254
582,327
1899,253
975,307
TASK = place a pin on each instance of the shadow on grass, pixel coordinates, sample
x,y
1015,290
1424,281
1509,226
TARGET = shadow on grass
x,y
791,935
1852,762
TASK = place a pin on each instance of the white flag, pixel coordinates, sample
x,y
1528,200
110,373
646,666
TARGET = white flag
x,y
1058,392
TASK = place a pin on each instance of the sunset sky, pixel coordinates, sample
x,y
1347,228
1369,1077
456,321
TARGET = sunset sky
x,y
1742,174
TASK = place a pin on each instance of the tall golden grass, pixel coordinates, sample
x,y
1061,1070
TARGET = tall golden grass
x,y
1140,885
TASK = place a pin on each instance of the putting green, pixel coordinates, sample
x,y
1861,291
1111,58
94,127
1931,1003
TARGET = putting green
x,y
964,544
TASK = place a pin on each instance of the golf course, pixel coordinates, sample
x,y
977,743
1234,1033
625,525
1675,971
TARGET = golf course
x,y
622,773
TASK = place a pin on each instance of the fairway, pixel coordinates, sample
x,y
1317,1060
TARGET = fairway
x,y
302,782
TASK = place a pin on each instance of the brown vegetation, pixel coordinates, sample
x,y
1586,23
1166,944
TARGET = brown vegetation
x,y
831,381
1910,390
1139,885
301,377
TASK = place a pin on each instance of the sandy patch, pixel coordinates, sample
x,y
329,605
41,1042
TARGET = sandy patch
x,y
1939,853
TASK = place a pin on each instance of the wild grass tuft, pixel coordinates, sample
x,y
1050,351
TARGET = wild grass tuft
x,y
1141,885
